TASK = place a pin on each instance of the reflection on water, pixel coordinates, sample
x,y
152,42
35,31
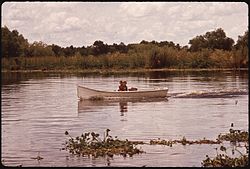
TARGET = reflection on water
x,y
91,105
123,107
37,109
17,77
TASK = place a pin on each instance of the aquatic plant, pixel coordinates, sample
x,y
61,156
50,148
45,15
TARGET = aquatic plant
x,y
91,144
223,160
234,136
183,141
162,142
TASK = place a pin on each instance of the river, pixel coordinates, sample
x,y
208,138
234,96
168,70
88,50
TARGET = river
x,y
37,109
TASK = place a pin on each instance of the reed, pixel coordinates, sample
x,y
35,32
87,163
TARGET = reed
x,y
142,56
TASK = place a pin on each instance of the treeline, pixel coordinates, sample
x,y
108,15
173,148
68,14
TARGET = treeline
x,y
211,50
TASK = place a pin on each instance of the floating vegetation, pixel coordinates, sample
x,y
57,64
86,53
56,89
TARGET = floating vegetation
x,y
183,141
162,142
223,160
234,136
91,144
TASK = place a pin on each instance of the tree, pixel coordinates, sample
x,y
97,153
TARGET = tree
x,y
13,44
69,51
122,48
212,40
241,51
198,43
58,51
144,42
83,51
242,41
5,41
40,49
100,48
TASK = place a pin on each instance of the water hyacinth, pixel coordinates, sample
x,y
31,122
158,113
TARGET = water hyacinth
x,y
183,141
91,144
223,160
234,136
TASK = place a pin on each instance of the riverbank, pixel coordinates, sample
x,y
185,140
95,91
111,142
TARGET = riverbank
x,y
105,71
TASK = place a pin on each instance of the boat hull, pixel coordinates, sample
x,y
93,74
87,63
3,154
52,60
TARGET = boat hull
x,y
86,93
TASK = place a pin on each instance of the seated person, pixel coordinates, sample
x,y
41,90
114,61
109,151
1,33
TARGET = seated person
x,y
123,86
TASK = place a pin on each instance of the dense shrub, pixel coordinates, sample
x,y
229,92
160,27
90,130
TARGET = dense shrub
x,y
211,50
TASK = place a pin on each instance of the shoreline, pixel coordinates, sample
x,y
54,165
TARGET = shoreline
x,y
138,70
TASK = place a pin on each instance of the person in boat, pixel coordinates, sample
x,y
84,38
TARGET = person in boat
x,y
123,86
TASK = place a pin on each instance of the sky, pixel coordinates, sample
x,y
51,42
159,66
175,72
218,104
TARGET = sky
x,y
82,23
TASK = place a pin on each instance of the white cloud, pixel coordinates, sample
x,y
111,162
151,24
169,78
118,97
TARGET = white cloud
x,y
139,9
81,23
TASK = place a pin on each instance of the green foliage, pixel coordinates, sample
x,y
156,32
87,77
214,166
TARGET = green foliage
x,y
222,59
234,136
91,144
13,44
162,57
69,51
100,48
183,141
57,50
212,40
212,50
223,160
201,59
241,51
40,49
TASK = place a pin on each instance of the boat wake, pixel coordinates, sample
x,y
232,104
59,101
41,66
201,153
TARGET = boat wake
x,y
211,94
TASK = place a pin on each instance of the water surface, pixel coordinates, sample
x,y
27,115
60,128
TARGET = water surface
x,y
37,109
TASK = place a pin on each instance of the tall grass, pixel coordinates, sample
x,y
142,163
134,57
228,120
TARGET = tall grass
x,y
142,56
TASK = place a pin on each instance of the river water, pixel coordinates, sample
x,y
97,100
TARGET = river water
x,y
37,109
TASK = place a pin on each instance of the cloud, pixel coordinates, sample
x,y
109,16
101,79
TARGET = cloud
x,y
139,9
81,23
70,24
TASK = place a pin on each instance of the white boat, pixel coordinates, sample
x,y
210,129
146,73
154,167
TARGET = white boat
x,y
87,93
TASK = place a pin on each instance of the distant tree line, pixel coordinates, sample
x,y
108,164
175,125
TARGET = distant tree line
x,y
213,49
15,45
